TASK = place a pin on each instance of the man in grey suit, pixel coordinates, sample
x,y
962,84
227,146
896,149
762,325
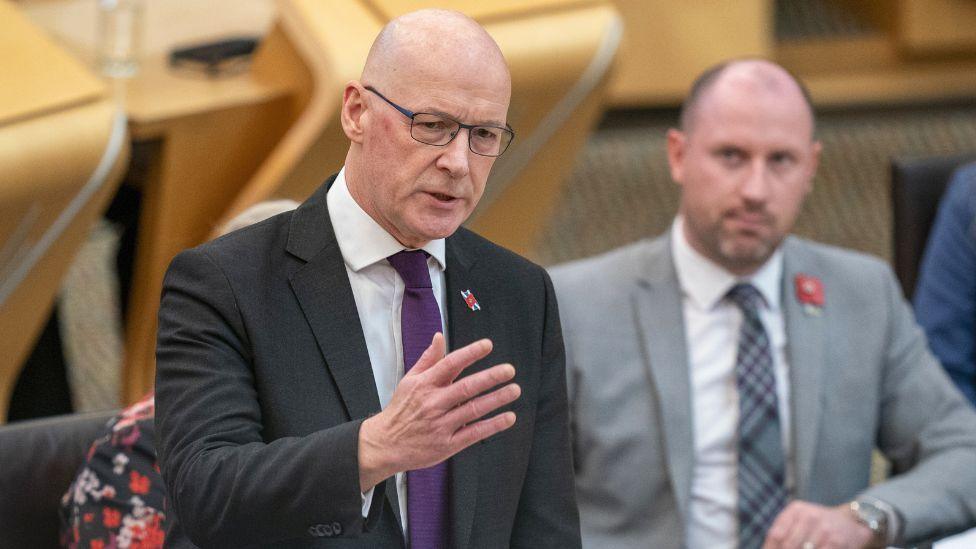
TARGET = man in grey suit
x,y
304,397
728,382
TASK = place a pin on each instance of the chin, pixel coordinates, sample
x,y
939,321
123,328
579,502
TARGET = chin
x,y
428,233
745,256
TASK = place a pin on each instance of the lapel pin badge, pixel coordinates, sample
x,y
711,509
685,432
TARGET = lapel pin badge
x,y
470,300
810,294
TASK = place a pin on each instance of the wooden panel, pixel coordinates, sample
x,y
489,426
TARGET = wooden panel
x,y
166,22
324,45
158,93
903,84
55,157
937,26
479,10
35,74
667,44
860,54
206,159
559,79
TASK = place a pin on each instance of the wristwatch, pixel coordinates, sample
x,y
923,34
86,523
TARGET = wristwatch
x,y
873,517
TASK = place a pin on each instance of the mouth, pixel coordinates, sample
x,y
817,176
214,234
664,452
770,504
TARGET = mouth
x,y
750,220
443,198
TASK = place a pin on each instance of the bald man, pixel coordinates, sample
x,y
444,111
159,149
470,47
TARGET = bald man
x,y
736,396
305,395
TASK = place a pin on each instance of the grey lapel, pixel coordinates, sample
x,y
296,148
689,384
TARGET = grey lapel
x,y
325,296
660,318
464,326
805,348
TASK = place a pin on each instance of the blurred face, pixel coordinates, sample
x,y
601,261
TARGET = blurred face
x,y
420,192
745,165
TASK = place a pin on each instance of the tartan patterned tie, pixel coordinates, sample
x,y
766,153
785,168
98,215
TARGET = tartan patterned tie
x,y
420,319
762,466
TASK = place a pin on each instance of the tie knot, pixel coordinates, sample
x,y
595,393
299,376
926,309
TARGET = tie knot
x,y
746,296
411,265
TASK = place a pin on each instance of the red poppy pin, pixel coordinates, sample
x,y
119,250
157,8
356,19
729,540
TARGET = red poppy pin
x,y
810,293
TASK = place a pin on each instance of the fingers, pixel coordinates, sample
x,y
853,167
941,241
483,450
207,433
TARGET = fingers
x,y
469,434
781,528
450,367
802,530
804,524
483,405
431,355
473,385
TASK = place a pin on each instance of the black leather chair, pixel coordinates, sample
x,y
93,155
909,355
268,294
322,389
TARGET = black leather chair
x,y
917,184
38,460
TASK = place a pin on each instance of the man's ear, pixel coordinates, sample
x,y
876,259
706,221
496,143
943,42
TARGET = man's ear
x,y
353,107
676,154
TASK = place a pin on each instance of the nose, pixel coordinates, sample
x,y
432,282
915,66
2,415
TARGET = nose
x,y
454,156
755,188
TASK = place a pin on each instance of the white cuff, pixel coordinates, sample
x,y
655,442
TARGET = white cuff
x,y
367,500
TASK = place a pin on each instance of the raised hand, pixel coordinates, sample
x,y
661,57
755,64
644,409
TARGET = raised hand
x,y
432,415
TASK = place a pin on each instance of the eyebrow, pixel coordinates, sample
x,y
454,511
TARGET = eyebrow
x,y
492,123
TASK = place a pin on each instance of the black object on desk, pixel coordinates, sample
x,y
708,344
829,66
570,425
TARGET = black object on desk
x,y
214,58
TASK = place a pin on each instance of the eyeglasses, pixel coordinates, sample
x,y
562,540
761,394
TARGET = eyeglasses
x,y
439,130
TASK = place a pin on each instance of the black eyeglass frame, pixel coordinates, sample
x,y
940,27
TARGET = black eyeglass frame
x,y
461,125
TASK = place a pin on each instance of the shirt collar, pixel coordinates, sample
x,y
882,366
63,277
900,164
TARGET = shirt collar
x,y
361,239
706,283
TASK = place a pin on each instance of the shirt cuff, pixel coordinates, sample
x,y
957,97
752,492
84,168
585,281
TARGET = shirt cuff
x,y
367,500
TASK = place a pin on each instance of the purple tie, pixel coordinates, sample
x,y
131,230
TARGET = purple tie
x,y
420,319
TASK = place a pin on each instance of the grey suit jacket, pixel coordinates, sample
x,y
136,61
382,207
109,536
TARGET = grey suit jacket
x,y
861,376
263,379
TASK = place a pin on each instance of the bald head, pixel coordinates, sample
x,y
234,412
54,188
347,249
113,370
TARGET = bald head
x,y
429,44
423,121
755,75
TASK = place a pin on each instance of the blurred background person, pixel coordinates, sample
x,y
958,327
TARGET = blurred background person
x,y
728,382
945,297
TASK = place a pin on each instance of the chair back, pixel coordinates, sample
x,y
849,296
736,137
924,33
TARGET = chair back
x,y
63,150
40,459
917,185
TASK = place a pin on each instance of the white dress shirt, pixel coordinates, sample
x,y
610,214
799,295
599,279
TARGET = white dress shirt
x,y
712,326
378,291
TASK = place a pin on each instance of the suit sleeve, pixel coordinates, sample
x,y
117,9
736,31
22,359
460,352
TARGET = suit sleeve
x,y
547,515
227,485
927,430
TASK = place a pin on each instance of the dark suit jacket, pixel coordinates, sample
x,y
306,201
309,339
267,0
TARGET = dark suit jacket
x,y
263,380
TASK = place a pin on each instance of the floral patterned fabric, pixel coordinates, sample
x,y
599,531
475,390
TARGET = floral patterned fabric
x,y
117,498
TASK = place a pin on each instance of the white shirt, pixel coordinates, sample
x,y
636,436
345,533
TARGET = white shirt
x,y
378,292
712,326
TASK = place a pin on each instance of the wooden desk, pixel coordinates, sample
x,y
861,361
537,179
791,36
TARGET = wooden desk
x,y
213,132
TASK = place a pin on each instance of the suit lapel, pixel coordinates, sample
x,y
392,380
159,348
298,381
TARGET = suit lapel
x,y
659,314
805,349
465,326
325,296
